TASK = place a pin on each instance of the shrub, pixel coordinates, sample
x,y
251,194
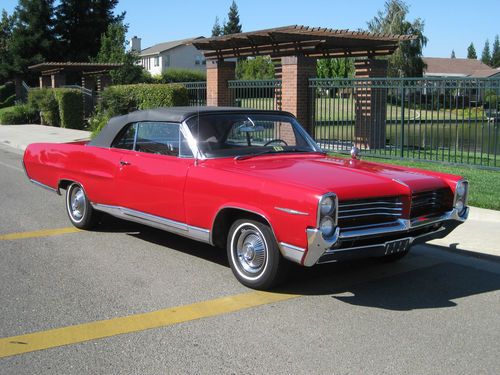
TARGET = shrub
x,y
119,100
9,102
182,75
44,102
19,114
97,122
70,103
7,90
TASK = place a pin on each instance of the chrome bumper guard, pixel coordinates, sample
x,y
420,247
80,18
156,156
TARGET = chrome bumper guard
x,y
321,250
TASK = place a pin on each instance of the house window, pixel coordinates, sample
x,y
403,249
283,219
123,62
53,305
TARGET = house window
x,y
167,60
157,60
197,60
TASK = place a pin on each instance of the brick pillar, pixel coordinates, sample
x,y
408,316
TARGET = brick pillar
x,y
58,80
88,82
371,105
219,72
45,81
295,74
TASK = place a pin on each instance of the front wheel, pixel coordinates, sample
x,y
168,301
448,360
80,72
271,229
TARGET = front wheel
x,y
254,255
79,209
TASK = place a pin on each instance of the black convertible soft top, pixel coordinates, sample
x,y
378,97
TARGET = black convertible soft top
x,y
171,114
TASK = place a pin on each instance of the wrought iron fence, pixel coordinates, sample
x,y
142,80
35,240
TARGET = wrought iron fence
x,y
258,94
197,92
451,120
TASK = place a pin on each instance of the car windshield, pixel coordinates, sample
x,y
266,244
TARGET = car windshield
x,y
247,135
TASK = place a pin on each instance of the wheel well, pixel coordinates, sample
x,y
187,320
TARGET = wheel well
x,y
225,218
64,184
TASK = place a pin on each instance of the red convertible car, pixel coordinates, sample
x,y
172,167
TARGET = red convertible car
x,y
251,181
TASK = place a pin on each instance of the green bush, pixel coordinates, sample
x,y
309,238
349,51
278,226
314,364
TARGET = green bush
x,y
20,114
122,99
7,90
44,102
70,103
182,75
97,122
9,102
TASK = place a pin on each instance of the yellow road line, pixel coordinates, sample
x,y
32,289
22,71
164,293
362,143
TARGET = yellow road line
x,y
38,233
31,342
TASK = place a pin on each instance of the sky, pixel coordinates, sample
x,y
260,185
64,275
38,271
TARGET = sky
x,y
449,24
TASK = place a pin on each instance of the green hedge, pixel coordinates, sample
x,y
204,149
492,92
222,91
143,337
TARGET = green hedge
x,y
58,107
181,75
122,99
20,114
70,102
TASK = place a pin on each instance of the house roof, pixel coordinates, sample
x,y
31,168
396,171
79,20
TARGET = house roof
x,y
161,47
438,66
296,39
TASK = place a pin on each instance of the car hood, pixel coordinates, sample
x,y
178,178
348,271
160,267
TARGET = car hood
x,y
348,178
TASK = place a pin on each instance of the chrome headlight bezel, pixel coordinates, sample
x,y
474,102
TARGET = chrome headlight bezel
x,y
332,213
461,195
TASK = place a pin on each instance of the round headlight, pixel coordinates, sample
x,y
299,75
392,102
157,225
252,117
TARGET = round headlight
x,y
459,205
327,226
327,205
461,189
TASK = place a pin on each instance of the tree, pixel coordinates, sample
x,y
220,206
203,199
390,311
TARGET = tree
x,y
217,28
80,24
495,53
453,54
6,25
486,55
113,50
260,67
32,39
471,52
407,60
232,26
335,68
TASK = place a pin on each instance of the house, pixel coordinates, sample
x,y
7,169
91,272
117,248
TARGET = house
x,y
456,68
179,54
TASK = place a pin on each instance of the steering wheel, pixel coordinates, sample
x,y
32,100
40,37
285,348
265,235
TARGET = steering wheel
x,y
275,140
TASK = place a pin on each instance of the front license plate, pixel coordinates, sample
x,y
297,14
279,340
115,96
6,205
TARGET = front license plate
x,y
397,246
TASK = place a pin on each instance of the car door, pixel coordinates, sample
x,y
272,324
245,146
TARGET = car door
x,y
152,171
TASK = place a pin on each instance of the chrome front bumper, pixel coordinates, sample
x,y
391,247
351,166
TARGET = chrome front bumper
x,y
370,241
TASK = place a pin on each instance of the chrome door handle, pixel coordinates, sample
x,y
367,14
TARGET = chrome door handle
x,y
124,163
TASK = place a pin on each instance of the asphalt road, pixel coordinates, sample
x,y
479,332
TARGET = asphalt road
x,y
434,312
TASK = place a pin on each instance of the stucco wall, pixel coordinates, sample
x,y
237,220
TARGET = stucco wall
x,y
182,57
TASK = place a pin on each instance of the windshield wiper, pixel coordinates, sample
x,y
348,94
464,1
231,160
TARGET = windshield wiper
x,y
269,151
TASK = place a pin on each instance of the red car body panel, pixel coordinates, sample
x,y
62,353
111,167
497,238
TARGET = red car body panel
x,y
194,192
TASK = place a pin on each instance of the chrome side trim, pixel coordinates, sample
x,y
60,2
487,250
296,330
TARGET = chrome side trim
x,y
292,253
45,186
195,233
291,211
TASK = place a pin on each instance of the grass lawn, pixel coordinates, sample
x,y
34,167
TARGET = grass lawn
x,y
484,185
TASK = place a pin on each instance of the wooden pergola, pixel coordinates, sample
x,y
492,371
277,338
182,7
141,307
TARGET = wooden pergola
x,y
294,50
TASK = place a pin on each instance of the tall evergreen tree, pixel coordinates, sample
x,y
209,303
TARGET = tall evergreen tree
x,y
495,53
232,26
217,29
486,55
471,52
80,24
407,60
6,25
453,54
32,38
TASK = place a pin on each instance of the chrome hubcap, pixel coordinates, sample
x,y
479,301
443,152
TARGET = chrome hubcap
x,y
77,203
251,250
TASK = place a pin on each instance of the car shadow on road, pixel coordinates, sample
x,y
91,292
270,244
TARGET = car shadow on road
x,y
400,286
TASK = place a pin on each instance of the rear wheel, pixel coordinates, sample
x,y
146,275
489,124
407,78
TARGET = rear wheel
x,y
254,255
80,211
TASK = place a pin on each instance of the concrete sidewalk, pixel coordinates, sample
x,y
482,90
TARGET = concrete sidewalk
x,y
479,235
20,136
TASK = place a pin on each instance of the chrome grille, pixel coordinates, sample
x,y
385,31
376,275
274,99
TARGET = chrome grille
x,y
431,202
367,212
